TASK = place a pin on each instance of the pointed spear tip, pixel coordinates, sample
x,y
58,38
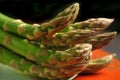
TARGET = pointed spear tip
x,y
113,33
107,20
76,4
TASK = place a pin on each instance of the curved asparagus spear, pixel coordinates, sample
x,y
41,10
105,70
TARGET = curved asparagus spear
x,y
100,40
19,63
71,12
98,64
37,31
73,9
77,32
44,56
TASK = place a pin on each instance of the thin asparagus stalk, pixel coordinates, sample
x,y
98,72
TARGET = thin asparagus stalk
x,y
78,31
100,40
10,58
98,64
44,56
98,24
37,31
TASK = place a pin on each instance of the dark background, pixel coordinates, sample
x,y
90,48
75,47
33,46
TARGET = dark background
x,y
40,10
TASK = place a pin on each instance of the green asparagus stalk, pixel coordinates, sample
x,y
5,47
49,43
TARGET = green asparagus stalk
x,y
42,55
98,64
37,31
11,59
100,40
78,31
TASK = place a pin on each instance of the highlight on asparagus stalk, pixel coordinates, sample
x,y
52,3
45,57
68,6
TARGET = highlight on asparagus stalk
x,y
37,31
98,64
42,55
10,58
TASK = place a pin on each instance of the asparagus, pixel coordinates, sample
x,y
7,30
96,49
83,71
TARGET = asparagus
x,y
98,64
42,55
93,24
100,40
37,31
98,24
65,40
73,9
17,62
78,31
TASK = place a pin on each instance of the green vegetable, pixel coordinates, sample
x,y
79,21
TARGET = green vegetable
x,y
98,64
78,33
36,31
42,55
30,68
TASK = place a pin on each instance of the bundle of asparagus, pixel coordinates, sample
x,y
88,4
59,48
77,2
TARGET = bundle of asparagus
x,y
55,49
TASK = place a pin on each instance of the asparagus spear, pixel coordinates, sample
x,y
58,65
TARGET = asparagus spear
x,y
71,12
98,24
98,64
65,40
100,40
73,9
78,31
37,31
42,55
10,58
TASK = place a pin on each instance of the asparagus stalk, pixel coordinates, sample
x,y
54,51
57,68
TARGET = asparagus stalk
x,y
78,31
37,31
98,64
42,55
11,59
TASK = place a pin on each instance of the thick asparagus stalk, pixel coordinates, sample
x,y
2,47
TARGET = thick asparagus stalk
x,y
37,31
42,55
98,64
19,63
77,32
